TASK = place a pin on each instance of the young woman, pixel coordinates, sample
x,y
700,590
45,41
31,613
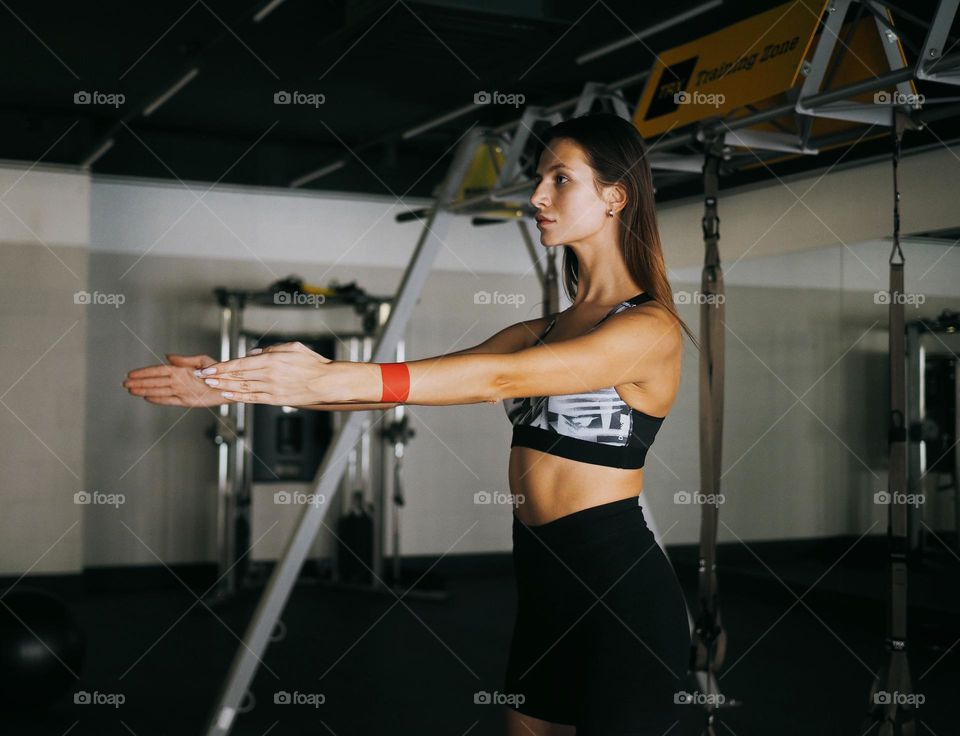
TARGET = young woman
x,y
600,643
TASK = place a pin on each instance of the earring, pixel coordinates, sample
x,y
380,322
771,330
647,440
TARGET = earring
x,y
609,213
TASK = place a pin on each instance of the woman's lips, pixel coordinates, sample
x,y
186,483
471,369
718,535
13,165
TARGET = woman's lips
x,y
544,223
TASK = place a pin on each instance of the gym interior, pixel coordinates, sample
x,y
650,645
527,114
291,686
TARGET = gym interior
x,y
182,184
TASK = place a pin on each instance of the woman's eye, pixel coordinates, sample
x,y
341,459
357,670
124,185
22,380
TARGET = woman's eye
x,y
559,177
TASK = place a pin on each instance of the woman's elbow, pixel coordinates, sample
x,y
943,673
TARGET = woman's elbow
x,y
502,387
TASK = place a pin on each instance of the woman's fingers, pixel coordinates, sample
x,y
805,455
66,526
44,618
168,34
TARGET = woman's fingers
x,y
239,365
165,385
246,398
242,385
170,401
222,378
167,370
161,400
149,371
147,382
174,383
154,391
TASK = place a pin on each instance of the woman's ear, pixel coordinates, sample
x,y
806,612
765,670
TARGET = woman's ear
x,y
615,197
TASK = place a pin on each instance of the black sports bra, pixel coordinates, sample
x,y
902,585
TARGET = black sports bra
x,y
596,427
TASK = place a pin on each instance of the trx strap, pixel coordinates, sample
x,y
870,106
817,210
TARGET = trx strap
x,y
709,640
892,699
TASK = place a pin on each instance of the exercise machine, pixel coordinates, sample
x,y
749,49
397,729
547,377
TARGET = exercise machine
x,y
259,445
933,396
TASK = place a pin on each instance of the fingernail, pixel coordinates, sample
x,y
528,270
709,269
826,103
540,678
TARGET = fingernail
x,y
256,350
208,371
211,381
227,394
197,373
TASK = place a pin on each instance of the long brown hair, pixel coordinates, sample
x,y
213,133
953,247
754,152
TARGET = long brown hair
x,y
616,152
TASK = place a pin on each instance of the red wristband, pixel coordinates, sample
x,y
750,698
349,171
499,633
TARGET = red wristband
x,y
396,382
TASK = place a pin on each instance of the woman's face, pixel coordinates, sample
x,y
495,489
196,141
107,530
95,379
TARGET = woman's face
x,y
569,209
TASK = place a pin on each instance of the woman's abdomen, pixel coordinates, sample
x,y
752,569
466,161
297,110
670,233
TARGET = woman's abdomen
x,y
548,487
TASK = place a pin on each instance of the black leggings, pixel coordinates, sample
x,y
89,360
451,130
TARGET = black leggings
x,y
601,639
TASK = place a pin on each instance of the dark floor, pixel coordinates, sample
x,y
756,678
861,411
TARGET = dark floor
x,y
385,668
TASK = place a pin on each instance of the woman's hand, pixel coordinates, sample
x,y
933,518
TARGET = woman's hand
x,y
286,374
174,384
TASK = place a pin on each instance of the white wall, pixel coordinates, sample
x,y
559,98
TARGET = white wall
x,y
44,231
804,446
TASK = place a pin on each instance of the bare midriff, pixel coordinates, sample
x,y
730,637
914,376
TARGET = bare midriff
x,y
547,486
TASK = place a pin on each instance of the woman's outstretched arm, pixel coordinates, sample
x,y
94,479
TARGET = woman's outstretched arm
x,y
297,376
176,383
291,374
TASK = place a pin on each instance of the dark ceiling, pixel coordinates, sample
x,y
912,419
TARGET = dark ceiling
x,y
383,67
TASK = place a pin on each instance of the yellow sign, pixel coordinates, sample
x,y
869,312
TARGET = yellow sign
x,y
484,169
749,61
481,178
864,58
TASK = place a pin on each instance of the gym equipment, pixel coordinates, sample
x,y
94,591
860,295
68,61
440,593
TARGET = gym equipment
x,y
41,648
284,289
486,168
891,706
270,444
791,99
709,639
933,399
